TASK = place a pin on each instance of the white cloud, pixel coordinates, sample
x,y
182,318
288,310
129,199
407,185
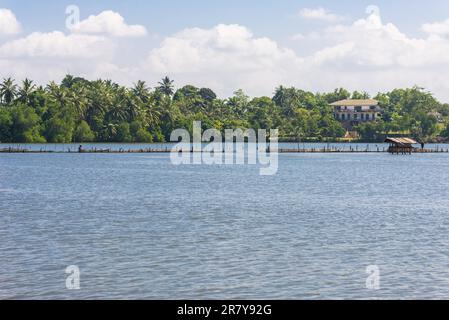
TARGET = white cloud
x,y
56,45
375,56
46,56
319,14
8,23
110,23
224,57
50,56
367,54
437,28
370,43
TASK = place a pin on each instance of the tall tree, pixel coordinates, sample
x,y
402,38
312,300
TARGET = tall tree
x,y
26,90
141,91
8,90
166,86
59,95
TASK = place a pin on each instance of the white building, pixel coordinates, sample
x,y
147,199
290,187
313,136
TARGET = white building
x,y
353,112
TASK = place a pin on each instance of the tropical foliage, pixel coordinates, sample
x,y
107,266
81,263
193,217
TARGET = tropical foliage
x,y
78,110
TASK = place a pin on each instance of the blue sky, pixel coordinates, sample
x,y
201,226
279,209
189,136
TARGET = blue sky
x,y
254,45
267,17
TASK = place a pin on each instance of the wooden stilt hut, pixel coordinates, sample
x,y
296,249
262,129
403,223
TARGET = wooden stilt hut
x,y
401,145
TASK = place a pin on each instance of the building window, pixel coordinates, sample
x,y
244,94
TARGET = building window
x,y
356,116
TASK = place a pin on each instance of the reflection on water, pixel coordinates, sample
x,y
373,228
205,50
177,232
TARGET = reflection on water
x,y
139,227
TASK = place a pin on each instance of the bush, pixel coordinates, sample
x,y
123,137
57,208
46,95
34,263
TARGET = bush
x,y
33,136
371,131
59,130
143,136
83,133
139,133
123,133
158,136
26,125
5,125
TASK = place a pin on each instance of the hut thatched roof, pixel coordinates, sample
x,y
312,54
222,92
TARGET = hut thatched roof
x,y
401,141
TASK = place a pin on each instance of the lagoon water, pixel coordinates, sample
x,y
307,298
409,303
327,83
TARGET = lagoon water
x,y
139,227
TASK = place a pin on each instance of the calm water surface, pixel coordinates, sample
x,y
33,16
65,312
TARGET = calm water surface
x,y
139,227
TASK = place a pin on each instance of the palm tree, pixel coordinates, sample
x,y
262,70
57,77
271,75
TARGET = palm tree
x,y
280,94
133,106
100,99
168,113
239,103
151,112
110,130
68,81
26,91
288,99
59,94
166,86
118,110
8,90
141,91
81,102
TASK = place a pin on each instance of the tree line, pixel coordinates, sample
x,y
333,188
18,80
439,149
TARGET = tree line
x,y
78,110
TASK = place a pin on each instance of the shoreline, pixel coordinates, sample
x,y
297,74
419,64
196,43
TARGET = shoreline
x,y
281,151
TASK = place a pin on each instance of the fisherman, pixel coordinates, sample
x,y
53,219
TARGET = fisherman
x,y
80,149
422,145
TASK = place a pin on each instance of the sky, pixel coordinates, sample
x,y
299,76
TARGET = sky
x,y
372,46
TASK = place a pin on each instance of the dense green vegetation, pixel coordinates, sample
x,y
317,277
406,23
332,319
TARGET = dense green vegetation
x,y
78,110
